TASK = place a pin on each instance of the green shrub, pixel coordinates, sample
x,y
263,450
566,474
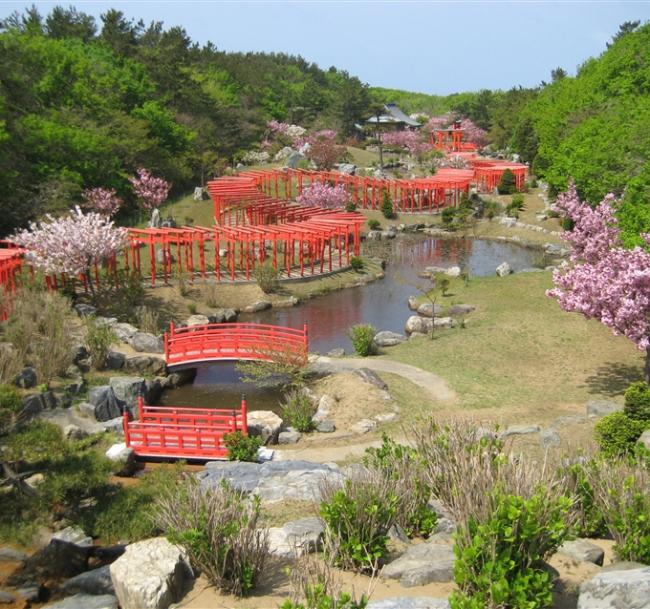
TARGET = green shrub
x,y
297,411
373,224
242,447
617,434
317,598
356,262
512,211
357,516
637,402
191,307
362,336
266,277
501,566
491,208
99,338
387,205
590,520
441,282
219,530
507,185
518,201
447,215
10,405
351,206
401,466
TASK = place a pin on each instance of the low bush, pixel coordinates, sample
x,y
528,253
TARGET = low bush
x,y
147,319
387,206
99,338
590,520
507,184
219,530
616,434
374,224
362,336
351,206
447,215
356,262
10,406
637,402
357,516
297,411
517,201
622,487
191,308
401,466
491,209
266,277
242,447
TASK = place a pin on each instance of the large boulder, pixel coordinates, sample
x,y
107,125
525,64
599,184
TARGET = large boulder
x,y
296,538
644,440
107,406
74,535
583,550
406,602
223,315
427,309
123,456
601,408
422,564
386,338
114,360
371,377
460,309
144,342
26,378
151,574
85,601
124,332
197,320
256,307
58,560
266,424
628,589
418,325
145,364
325,406
127,389
503,269
8,554
96,581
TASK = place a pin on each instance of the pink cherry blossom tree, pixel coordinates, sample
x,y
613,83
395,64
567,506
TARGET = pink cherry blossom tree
x,y
473,133
151,191
71,244
101,200
324,195
414,141
323,149
604,280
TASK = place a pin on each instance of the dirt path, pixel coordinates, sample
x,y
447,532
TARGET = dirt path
x,y
431,383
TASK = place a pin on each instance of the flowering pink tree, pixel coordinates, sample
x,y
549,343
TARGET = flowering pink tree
x,y
71,244
288,130
439,122
410,139
151,191
101,200
473,133
323,149
324,195
604,280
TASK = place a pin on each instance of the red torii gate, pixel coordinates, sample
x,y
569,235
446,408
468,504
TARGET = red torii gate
x,y
488,173
11,263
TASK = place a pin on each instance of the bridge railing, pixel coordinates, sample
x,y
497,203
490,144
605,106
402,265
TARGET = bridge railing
x,y
235,341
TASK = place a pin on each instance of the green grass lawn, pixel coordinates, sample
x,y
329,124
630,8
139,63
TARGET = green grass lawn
x,y
521,354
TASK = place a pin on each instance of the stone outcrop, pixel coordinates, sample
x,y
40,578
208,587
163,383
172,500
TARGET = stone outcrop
x,y
266,424
422,564
296,538
85,601
583,550
628,589
388,339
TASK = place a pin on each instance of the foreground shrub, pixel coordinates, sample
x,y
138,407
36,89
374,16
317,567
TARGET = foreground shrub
x,y
616,434
99,338
373,224
623,489
590,520
637,402
401,466
357,515
10,406
507,184
447,215
356,262
297,411
218,529
362,336
266,277
242,447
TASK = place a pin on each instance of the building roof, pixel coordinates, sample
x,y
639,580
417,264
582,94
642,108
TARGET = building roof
x,y
393,116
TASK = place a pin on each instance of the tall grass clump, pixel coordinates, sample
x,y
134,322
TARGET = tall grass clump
x,y
99,339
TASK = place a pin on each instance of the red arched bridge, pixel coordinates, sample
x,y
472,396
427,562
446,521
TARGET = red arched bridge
x,y
234,341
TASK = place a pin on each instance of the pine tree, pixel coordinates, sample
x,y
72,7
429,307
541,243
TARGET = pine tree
x,y
507,184
387,205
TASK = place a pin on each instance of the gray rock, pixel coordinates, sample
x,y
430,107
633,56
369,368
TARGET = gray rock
x,y
336,352
26,378
617,590
387,338
388,234
8,554
32,406
623,565
86,601
427,309
31,593
422,564
409,602
144,342
85,310
96,581
181,377
601,408
369,376
296,538
519,430
503,269
114,360
151,574
285,303
348,168
74,432
460,309
260,305
59,559
107,406
145,364
153,390
266,424
443,322
325,407
115,426
6,598
197,320
325,427
122,455
453,271
127,389
373,235
583,550
289,436
272,480
363,426
413,303
418,325
397,535
73,535
644,440
124,332
223,315
549,437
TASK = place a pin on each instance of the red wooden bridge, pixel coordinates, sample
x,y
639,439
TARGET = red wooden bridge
x,y
234,341
182,433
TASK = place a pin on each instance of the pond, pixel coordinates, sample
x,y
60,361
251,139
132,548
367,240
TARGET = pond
x,y
381,303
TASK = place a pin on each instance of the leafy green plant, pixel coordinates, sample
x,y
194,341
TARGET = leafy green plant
x,y
590,520
507,185
267,277
441,281
362,336
448,214
242,447
297,411
357,517
351,206
99,338
491,209
517,201
317,598
373,224
637,402
218,528
10,405
356,262
191,307
387,205
616,433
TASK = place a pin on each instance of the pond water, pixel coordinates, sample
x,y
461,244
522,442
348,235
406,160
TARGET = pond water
x,y
381,303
